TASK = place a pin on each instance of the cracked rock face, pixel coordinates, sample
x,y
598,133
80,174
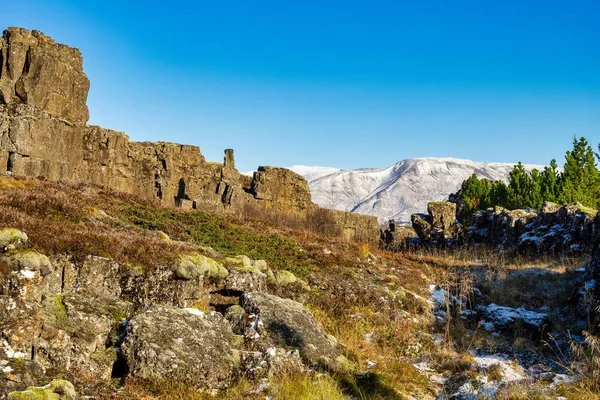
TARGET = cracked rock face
x,y
177,344
37,71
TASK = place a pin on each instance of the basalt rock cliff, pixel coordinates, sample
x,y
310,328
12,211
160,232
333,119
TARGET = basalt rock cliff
x,y
44,133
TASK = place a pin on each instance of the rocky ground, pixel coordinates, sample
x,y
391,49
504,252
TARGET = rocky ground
x,y
108,296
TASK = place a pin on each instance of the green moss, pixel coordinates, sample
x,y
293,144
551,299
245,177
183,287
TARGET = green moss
x,y
342,364
588,210
31,260
261,265
117,313
58,389
10,236
34,394
107,356
244,268
285,278
238,342
19,364
55,313
224,237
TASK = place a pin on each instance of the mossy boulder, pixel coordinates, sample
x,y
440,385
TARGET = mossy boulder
x,y
76,327
287,324
11,238
31,260
163,236
261,265
285,278
194,265
238,261
181,346
58,389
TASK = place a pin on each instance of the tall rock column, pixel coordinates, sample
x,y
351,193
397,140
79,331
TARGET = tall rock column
x,y
43,110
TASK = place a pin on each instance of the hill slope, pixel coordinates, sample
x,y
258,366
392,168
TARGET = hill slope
x,y
397,191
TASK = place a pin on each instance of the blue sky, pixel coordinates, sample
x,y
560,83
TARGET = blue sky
x,y
337,83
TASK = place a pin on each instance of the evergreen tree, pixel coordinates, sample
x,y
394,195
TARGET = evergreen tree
x,y
579,182
550,182
497,196
533,193
474,191
580,178
519,183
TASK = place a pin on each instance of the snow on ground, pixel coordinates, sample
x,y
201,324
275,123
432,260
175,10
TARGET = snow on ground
x,y
496,316
399,190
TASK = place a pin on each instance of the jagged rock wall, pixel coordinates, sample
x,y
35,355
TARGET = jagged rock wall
x,y
44,133
48,76
554,228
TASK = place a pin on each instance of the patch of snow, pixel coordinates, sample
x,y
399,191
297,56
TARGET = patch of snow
x,y
27,274
511,372
439,295
371,364
272,351
590,285
560,379
502,316
195,311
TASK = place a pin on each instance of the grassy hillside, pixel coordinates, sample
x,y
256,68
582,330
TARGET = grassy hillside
x,y
377,304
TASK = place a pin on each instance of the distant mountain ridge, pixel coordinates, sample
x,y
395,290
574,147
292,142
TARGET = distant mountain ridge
x,y
397,191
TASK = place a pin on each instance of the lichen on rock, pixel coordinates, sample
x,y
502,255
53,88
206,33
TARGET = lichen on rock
x,y
286,323
196,266
10,238
169,343
58,389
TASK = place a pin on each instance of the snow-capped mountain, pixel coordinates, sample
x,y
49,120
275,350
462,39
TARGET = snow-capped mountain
x,y
398,191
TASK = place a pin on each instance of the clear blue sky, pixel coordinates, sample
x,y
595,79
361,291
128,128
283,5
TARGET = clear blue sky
x,y
338,83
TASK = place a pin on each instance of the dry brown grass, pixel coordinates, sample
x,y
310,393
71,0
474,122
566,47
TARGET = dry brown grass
x,y
154,389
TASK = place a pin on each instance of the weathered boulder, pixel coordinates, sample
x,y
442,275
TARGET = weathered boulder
x,y
99,275
75,334
422,225
11,239
58,389
286,323
258,365
442,215
184,345
197,266
62,334
517,320
245,279
159,285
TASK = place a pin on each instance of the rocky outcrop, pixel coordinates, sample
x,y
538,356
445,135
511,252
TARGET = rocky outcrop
x,y
554,228
442,215
286,323
439,227
95,319
34,70
282,189
182,345
44,133
58,389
